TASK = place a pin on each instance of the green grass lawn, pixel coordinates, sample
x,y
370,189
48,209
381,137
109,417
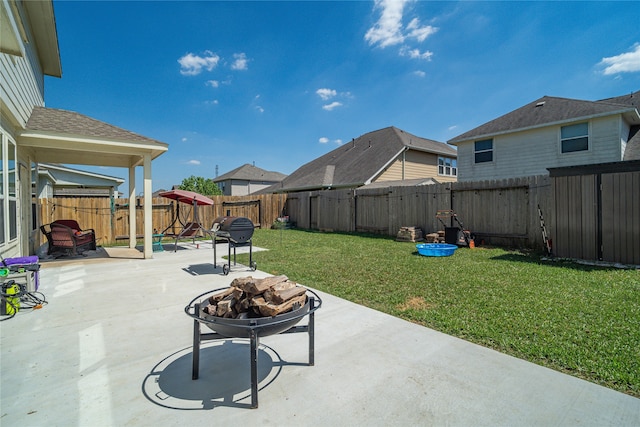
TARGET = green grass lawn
x,y
578,319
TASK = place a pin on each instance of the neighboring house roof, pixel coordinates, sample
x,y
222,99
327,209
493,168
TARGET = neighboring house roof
x,y
63,175
550,110
249,172
400,183
60,136
359,161
66,181
632,152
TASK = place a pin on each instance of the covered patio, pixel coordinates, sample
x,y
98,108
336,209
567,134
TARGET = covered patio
x,y
66,137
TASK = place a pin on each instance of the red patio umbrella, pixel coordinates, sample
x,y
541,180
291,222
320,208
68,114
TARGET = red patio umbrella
x,y
188,197
193,199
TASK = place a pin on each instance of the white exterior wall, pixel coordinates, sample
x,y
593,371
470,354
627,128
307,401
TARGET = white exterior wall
x,y
240,187
531,152
21,88
21,79
624,137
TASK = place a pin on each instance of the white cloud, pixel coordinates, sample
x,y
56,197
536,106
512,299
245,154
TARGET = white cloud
x,y
388,30
415,53
260,109
419,73
331,106
627,62
326,94
184,139
191,65
240,61
325,140
453,127
194,162
213,83
419,33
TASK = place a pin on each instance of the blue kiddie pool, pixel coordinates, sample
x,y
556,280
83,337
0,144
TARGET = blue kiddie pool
x,y
436,249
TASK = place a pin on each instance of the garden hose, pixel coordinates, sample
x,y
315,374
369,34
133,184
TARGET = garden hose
x,y
14,296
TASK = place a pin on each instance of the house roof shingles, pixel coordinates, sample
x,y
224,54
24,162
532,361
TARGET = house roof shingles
x,y
545,111
549,110
249,172
71,123
358,161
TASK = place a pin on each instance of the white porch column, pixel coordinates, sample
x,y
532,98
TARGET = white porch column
x,y
132,207
148,209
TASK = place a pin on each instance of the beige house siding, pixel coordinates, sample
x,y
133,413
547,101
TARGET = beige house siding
x,y
531,152
392,173
413,164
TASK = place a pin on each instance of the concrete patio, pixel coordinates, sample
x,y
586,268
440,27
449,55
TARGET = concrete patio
x,y
113,348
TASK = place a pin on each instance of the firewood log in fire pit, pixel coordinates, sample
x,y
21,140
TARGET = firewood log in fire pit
x,y
249,297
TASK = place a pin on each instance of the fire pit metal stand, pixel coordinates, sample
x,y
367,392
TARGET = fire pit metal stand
x,y
253,329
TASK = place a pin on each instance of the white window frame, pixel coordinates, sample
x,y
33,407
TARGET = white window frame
x,y
476,152
8,192
575,138
447,166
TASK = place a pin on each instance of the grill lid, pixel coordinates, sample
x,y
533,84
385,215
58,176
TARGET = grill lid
x,y
237,229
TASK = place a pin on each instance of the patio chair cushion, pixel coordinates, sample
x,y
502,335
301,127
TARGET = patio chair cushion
x,y
66,235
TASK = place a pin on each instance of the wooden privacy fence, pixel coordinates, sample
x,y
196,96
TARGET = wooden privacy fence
x,y
501,212
597,210
589,212
110,218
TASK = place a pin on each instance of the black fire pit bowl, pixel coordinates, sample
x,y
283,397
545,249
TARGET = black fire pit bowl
x,y
252,328
242,328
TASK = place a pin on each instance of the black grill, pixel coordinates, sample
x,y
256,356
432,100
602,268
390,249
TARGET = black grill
x,y
234,228
236,231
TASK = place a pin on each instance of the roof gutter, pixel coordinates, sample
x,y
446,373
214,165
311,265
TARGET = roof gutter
x,y
317,188
635,120
386,165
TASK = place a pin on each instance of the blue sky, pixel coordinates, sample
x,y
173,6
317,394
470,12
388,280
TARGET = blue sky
x,y
281,83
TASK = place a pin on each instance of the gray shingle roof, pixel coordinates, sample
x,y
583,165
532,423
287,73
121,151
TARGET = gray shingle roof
x,y
632,99
357,162
632,152
548,110
73,124
249,172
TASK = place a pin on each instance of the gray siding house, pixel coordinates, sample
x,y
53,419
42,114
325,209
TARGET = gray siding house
x,y
247,179
551,132
59,180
